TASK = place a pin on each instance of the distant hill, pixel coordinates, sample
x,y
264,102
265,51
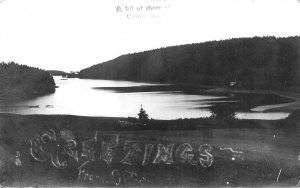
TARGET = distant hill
x,y
64,74
254,63
57,73
21,81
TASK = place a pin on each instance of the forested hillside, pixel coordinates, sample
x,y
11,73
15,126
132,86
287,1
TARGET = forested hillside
x,y
254,63
20,81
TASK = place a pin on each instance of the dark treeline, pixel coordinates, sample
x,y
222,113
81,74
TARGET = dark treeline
x,y
254,63
21,81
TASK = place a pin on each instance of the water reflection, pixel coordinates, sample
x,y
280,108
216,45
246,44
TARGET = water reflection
x,y
79,97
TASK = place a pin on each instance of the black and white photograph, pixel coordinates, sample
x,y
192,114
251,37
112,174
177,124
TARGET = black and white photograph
x,y
149,93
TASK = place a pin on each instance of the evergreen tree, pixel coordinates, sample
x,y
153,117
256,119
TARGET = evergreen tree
x,y
143,116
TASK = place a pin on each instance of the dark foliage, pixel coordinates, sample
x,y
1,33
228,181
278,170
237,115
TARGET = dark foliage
x,y
20,81
223,111
254,63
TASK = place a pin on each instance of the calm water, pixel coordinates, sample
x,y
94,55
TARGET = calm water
x,y
78,97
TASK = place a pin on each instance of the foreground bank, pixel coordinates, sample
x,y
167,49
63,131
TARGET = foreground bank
x,y
40,150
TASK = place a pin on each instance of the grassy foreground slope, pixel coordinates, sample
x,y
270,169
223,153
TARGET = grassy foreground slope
x,y
52,150
20,81
255,63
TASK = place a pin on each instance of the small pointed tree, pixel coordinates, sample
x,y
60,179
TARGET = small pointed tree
x,y
143,116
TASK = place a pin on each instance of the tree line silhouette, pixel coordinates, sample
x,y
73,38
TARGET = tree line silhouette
x,y
21,81
252,63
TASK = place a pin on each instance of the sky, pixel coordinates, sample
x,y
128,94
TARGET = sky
x,y
70,35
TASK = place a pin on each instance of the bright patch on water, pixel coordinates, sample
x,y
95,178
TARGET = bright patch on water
x,y
263,116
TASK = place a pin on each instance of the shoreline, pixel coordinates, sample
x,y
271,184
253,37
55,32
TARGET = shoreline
x,y
285,107
290,106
